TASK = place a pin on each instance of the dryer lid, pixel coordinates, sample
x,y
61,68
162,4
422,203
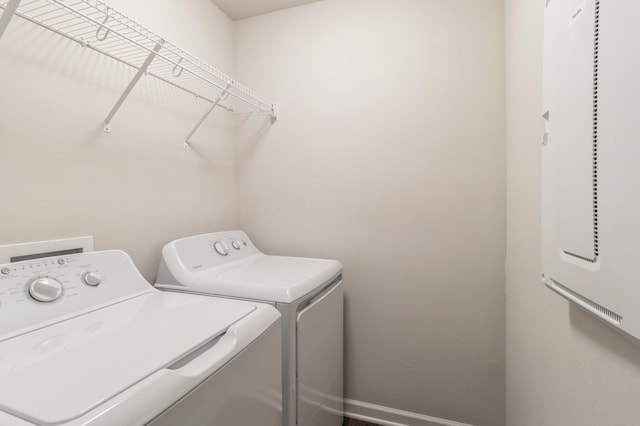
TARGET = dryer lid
x,y
58,373
263,277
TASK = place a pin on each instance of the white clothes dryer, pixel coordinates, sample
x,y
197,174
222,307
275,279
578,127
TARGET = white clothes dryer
x,y
85,340
307,292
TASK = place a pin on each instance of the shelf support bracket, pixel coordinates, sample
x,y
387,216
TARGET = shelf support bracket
x,y
141,71
9,11
224,95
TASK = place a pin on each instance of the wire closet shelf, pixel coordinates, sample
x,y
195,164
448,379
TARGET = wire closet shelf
x,y
96,25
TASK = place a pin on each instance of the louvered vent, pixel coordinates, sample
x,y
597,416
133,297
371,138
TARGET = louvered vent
x,y
599,310
595,128
594,173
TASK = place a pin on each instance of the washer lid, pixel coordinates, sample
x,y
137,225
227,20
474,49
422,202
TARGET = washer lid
x,y
263,277
58,373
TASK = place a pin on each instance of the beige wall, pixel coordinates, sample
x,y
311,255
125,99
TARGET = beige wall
x,y
390,157
564,367
135,188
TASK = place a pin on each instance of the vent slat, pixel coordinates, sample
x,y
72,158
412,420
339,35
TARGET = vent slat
x,y
586,303
596,41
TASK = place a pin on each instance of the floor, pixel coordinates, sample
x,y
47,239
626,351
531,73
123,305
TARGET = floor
x,y
353,422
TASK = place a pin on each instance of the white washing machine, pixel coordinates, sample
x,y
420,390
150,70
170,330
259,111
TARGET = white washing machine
x,y
85,340
307,292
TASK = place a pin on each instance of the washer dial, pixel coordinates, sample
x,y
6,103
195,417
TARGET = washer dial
x,y
92,278
45,289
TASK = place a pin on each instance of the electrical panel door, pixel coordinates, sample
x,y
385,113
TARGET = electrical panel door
x,y
591,157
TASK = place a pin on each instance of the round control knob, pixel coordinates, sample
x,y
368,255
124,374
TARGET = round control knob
x,y
45,289
92,278
236,244
221,248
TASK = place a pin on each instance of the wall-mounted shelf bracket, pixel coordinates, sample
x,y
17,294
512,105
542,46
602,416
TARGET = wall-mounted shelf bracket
x,y
223,95
141,71
9,11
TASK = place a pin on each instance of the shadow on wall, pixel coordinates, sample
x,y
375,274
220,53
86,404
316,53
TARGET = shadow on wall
x,y
252,129
599,333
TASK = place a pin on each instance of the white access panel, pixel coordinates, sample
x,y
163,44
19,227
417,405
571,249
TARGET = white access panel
x,y
591,157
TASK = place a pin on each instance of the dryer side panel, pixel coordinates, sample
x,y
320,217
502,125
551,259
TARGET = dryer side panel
x,y
320,361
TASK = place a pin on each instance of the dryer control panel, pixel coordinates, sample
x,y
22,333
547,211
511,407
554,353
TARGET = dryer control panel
x,y
34,293
205,251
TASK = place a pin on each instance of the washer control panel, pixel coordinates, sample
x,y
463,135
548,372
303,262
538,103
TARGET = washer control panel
x,y
35,292
205,251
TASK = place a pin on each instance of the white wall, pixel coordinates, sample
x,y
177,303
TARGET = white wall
x,y
136,188
564,367
390,157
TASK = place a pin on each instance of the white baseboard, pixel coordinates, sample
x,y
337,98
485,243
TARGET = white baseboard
x,y
390,416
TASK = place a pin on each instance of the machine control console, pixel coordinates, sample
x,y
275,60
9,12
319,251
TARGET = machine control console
x,y
34,292
222,247
230,244
201,252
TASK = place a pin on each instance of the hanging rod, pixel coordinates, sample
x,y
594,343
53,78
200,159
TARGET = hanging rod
x,y
94,24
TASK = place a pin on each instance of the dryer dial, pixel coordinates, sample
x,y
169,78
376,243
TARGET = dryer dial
x,y
221,248
45,289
